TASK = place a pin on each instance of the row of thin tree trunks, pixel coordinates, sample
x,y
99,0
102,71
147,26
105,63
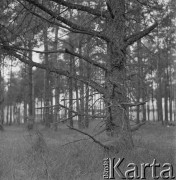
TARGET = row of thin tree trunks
x,y
84,103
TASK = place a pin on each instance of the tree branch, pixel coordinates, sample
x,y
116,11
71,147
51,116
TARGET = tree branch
x,y
66,73
137,126
91,137
135,37
83,30
87,9
133,104
87,59
75,112
110,10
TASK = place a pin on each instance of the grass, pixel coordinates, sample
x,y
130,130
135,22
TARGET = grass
x,y
44,156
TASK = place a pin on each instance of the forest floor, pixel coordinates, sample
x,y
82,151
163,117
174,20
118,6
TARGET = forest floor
x,y
49,155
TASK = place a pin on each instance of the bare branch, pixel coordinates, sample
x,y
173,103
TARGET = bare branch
x,y
75,112
133,104
87,9
87,59
135,37
137,126
110,10
91,137
72,25
60,71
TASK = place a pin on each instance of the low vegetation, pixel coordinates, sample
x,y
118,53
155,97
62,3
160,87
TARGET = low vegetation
x,y
43,154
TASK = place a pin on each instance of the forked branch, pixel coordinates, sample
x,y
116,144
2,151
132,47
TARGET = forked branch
x,y
87,59
60,71
82,29
137,36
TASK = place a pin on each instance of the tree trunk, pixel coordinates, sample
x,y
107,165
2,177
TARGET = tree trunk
x,y
81,70
88,71
42,119
10,120
46,81
70,93
117,119
87,107
148,111
166,100
159,93
1,96
143,106
57,83
138,79
170,94
159,102
57,100
30,90
153,106
25,107
170,107
7,115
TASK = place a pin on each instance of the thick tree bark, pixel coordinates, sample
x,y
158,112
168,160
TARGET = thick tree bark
x,y
117,119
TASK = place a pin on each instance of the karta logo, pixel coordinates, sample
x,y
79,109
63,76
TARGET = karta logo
x,y
112,169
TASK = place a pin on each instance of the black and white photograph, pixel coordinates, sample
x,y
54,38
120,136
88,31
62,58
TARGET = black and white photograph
x,y
87,89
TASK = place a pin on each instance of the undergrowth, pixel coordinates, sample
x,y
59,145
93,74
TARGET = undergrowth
x,y
37,159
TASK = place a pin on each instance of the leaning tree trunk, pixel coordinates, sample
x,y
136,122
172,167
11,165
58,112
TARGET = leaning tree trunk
x,y
117,119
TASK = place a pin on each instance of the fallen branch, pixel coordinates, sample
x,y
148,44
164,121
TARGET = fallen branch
x,y
78,140
91,137
137,127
